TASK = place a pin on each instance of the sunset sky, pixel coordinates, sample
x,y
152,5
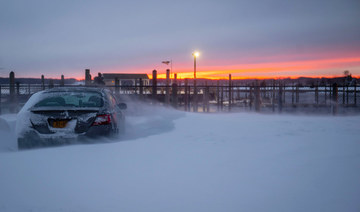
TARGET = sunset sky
x,y
248,39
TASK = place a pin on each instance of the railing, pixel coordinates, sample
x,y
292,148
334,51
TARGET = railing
x,y
212,98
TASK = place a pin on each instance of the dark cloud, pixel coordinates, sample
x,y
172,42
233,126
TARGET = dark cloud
x,y
51,36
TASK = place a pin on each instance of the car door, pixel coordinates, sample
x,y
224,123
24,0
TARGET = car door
x,y
117,113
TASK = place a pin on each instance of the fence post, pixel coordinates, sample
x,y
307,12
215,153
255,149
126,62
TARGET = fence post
x,y
12,85
273,97
167,88
42,82
297,94
203,97
355,95
206,98
280,98
246,94
292,93
62,81
117,86
0,99
17,88
51,83
330,93
317,95
87,77
347,94
335,99
257,97
189,97
284,93
207,91
174,95
12,91
135,86
141,87
229,92
343,94
154,84
251,96
325,93
186,97
222,98
195,99
238,92
218,95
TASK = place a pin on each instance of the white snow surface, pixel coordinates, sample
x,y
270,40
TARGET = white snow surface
x,y
177,161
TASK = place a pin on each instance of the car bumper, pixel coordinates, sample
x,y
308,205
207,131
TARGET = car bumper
x,y
34,139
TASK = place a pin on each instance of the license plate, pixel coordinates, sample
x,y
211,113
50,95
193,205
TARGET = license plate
x,y
60,123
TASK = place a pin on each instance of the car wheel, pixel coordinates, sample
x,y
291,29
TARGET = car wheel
x,y
122,127
24,143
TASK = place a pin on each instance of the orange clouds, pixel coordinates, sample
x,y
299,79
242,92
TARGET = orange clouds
x,y
287,68
311,68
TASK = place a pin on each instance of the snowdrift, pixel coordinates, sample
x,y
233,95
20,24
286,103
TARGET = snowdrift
x,y
175,161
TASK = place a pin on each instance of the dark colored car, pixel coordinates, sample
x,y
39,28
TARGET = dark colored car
x,y
62,115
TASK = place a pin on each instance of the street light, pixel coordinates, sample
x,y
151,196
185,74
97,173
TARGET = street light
x,y
195,54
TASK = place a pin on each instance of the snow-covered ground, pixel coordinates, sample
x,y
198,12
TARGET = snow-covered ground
x,y
176,161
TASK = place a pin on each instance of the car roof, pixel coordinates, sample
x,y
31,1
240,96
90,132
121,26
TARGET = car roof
x,y
76,89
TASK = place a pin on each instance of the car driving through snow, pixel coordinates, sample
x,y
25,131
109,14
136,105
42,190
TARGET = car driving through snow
x,y
63,115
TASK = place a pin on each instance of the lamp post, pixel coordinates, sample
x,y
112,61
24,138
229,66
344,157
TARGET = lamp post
x,y
195,54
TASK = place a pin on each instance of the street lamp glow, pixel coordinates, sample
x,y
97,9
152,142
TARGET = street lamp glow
x,y
195,54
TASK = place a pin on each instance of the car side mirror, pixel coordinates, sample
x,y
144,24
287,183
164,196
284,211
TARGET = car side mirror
x,y
122,106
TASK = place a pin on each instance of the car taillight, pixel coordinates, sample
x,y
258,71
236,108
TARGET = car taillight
x,y
102,120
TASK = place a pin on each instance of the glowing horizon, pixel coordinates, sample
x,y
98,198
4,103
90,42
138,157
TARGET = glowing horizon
x,y
330,67
292,69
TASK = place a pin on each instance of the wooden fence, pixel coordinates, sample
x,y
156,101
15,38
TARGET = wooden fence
x,y
211,98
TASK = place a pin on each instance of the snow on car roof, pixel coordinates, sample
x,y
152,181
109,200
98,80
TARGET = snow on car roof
x,y
76,89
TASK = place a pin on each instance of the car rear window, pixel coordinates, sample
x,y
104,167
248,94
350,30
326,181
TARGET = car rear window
x,y
71,99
